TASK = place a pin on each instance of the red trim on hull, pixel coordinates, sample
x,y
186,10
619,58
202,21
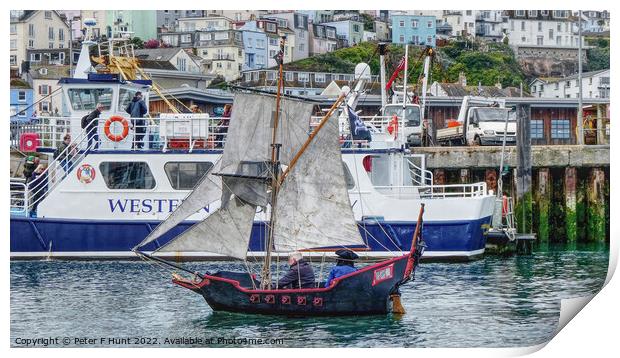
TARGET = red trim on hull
x,y
205,281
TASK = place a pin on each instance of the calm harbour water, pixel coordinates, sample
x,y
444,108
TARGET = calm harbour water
x,y
493,302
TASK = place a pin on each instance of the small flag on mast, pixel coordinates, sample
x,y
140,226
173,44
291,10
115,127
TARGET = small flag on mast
x,y
399,68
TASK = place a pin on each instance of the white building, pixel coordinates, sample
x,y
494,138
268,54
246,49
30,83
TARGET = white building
x,y
47,94
463,22
35,29
212,23
491,24
544,28
596,84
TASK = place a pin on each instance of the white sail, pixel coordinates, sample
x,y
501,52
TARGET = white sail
x,y
247,152
313,208
226,231
208,190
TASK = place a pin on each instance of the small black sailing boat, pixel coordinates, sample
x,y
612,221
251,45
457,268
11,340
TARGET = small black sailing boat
x,y
274,158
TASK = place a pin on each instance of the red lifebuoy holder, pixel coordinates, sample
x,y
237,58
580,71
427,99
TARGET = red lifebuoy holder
x,y
28,142
114,136
393,126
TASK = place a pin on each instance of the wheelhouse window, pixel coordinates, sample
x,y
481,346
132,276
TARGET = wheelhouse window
x,y
185,175
85,99
412,114
127,175
124,97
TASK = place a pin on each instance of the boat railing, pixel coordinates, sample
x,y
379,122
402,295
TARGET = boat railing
x,y
419,176
50,130
434,191
60,167
155,134
383,131
18,194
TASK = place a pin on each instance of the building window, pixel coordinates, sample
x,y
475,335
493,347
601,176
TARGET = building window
x,y
539,26
537,128
30,30
429,40
550,34
356,28
271,75
560,129
544,12
522,25
520,13
13,44
13,28
182,64
532,13
44,90
539,40
13,60
50,32
303,77
44,106
35,57
61,35
48,15
30,43
319,77
185,175
302,47
429,24
288,76
414,24
401,23
21,96
127,175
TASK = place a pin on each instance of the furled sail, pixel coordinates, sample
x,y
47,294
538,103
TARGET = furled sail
x,y
313,208
247,153
208,190
226,231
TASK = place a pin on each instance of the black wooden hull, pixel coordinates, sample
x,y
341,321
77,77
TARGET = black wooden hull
x,y
364,292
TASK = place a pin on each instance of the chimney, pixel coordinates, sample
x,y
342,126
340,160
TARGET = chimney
x,y
462,79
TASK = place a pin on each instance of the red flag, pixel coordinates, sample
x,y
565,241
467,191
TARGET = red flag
x,y
399,68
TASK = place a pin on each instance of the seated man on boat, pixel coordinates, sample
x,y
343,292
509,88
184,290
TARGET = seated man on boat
x,y
299,275
344,265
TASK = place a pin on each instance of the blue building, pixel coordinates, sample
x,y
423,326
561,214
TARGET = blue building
x,y
414,29
254,46
22,98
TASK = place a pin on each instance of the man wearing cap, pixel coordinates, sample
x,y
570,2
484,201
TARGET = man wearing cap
x,y
344,265
29,167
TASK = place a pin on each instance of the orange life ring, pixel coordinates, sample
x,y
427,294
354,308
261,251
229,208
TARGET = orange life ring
x,y
116,137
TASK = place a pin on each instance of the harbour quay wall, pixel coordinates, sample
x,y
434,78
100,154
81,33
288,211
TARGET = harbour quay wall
x,y
568,201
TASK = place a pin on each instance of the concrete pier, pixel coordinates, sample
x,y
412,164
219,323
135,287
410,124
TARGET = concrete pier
x,y
569,192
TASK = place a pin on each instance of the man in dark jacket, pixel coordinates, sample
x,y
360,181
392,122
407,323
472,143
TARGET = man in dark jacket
x,y
29,167
89,124
300,274
136,110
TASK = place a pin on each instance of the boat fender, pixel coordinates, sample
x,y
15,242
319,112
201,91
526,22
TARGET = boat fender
x,y
397,306
116,137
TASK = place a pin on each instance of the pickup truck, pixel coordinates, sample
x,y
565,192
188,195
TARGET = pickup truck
x,y
480,125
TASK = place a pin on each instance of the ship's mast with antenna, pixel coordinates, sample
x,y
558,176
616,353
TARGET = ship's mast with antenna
x,y
275,160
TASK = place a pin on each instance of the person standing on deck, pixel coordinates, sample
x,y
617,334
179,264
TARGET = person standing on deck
x,y
136,110
37,187
344,265
89,124
62,153
299,275
223,126
30,166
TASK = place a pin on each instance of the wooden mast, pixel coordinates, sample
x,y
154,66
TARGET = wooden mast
x,y
275,182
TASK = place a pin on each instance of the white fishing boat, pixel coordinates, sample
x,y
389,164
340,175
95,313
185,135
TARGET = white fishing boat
x,y
113,195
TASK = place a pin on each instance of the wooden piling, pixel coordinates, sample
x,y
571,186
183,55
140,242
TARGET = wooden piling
x,y
523,208
595,216
570,204
543,204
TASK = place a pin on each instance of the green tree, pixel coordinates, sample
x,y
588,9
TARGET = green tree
x,y
137,42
